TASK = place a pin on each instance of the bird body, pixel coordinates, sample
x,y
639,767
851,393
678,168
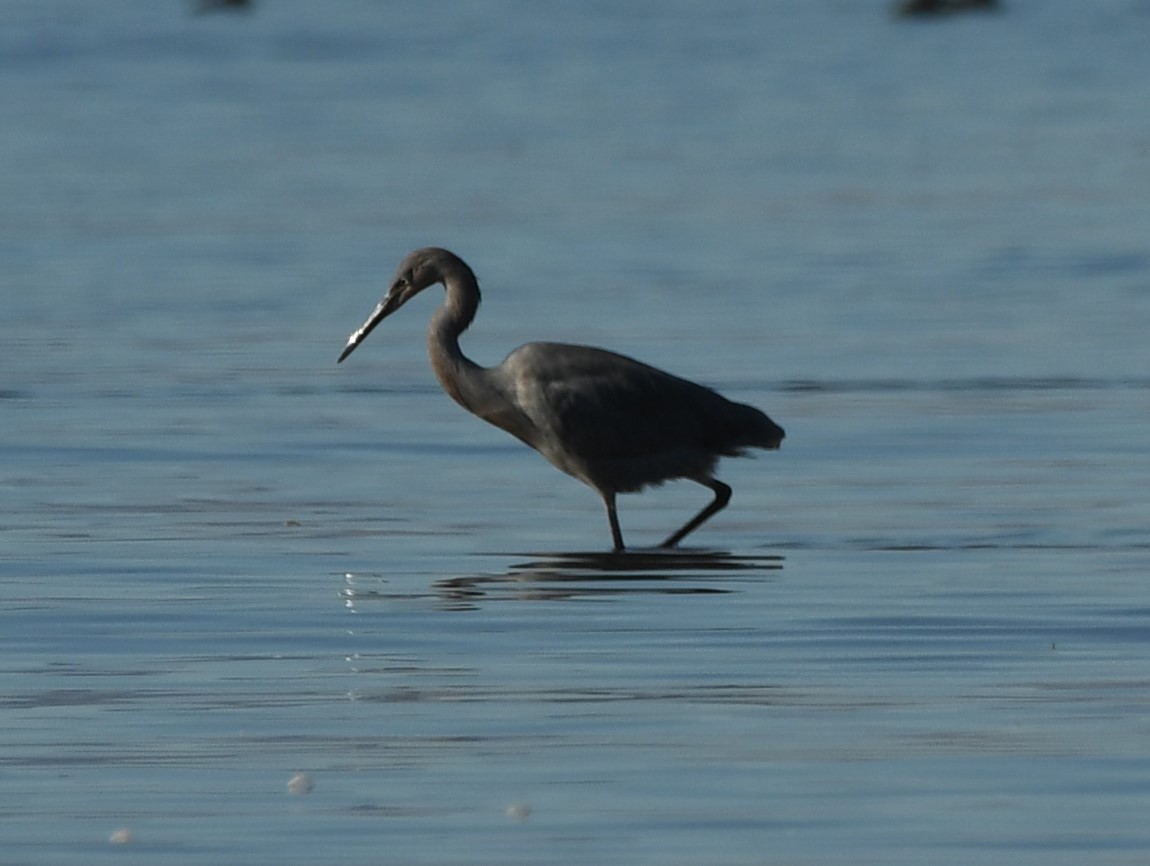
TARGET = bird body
x,y
616,424
649,426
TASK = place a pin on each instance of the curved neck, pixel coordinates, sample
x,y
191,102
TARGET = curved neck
x,y
481,390
460,376
457,312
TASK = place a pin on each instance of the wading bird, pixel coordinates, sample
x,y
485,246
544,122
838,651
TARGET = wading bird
x,y
615,424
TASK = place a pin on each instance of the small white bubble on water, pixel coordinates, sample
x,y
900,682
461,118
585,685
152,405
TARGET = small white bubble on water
x,y
300,783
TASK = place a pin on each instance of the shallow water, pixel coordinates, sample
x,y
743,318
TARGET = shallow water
x,y
919,633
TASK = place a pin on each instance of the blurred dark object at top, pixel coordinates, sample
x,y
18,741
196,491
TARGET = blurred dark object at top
x,y
224,6
907,8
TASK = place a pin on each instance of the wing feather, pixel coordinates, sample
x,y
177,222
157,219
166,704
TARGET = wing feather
x,y
626,424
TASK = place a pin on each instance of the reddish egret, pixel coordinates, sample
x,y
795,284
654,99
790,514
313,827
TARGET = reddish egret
x,y
615,424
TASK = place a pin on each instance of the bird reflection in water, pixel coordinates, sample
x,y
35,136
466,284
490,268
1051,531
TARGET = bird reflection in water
x,y
557,576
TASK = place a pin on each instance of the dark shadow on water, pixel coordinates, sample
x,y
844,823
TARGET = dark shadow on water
x,y
558,575
640,562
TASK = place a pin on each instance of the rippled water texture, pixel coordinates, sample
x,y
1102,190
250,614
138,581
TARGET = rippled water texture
x,y
919,634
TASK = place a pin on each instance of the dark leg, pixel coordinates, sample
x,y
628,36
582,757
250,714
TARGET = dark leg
x,y
613,518
722,497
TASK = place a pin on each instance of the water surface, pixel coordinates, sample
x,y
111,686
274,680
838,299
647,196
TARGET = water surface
x,y
920,633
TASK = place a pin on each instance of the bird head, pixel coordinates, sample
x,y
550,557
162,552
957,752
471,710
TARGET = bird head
x,y
416,272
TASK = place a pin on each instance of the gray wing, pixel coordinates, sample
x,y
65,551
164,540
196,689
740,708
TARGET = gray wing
x,y
630,424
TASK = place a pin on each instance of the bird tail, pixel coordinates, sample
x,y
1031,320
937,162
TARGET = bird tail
x,y
753,429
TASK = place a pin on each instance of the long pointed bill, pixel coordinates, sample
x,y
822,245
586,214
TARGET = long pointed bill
x,y
382,310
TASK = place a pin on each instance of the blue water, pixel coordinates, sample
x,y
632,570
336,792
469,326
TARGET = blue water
x,y
920,632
